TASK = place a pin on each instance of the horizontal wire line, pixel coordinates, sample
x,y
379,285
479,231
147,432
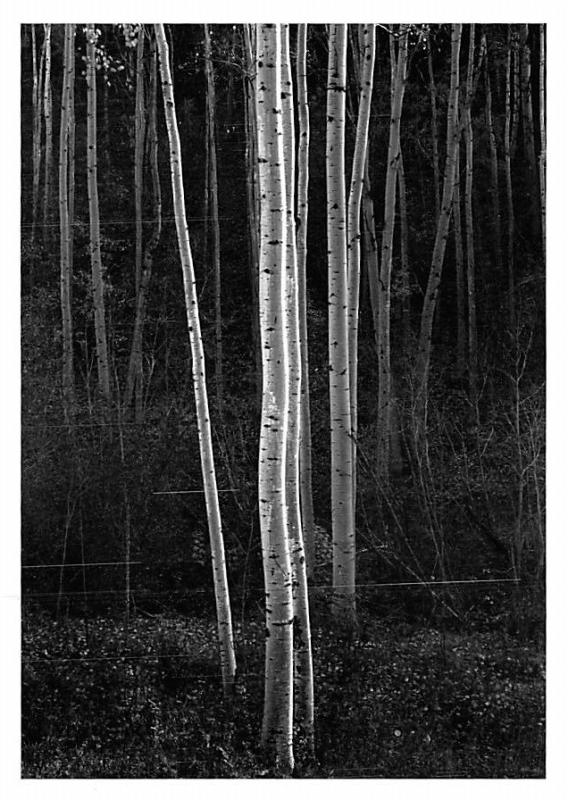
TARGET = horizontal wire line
x,y
83,564
121,222
191,592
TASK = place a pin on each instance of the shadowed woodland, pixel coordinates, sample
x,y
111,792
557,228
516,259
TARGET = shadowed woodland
x,y
283,400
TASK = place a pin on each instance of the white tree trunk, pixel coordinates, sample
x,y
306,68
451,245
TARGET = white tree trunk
x,y
366,72
95,235
224,623
303,671
278,700
342,501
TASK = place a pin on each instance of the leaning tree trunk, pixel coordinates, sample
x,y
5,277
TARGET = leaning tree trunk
x,y
342,500
224,623
306,496
367,67
278,699
48,117
65,228
398,75
303,672
435,275
95,236
214,210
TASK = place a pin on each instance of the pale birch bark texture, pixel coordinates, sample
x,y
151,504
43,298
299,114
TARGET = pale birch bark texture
x,y
435,275
366,73
398,76
139,138
224,621
65,227
342,501
303,672
94,225
278,698
306,495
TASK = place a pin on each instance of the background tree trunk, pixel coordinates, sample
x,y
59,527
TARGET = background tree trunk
x,y
214,210
469,228
434,123
435,275
47,113
95,236
65,228
224,622
509,188
135,361
365,75
398,76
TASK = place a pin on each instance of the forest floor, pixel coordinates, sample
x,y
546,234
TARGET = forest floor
x,y
104,700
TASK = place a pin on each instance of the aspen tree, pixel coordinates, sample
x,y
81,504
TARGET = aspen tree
x,y
253,202
214,211
516,90
224,623
139,135
542,121
37,126
526,102
135,360
496,205
139,132
460,283
435,275
303,672
278,698
398,76
342,500
404,263
370,249
367,62
509,185
434,123
95,236
48,117
306,496
65,228
469,229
